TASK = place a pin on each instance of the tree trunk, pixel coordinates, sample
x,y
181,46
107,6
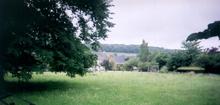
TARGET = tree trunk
x,y
2,87
1,74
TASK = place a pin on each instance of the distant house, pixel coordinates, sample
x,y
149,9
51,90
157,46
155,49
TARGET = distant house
x,y
101,57
118,58
121,59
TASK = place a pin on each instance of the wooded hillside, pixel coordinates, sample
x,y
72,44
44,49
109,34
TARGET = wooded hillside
x,y
131,48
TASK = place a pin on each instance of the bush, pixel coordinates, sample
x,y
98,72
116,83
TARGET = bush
x,y
161,59
143,66
164,69
108,65
119,67
211,62
177,60
131,63
146,66
185,57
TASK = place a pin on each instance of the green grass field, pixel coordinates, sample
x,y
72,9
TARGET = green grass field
x,y
121,88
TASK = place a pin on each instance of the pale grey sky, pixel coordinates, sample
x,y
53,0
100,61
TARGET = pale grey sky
x,y
162,23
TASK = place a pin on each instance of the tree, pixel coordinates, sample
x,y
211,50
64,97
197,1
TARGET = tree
x,y
177,59
161,59
192,50
185,57
57,35
144,52
212,31
210,60
108,65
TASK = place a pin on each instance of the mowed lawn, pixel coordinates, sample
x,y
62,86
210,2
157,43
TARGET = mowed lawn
x,y
121,88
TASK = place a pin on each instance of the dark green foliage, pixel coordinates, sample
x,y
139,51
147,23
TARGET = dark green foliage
x,y
161,59
178,59
40,34
192,50
212,31
210,61
1,75
2,86
185,57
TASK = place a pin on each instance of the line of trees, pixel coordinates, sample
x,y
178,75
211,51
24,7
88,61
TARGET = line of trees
x,y
209,59
192,55
121,48
146,60
186,57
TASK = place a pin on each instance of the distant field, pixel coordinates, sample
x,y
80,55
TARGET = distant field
x,y
121,88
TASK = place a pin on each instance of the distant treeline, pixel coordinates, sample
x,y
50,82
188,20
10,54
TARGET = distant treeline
x,y
131,48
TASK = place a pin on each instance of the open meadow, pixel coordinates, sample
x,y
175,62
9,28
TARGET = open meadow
x,y
120,88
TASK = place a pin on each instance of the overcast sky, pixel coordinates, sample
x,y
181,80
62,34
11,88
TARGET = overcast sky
x,y
162,23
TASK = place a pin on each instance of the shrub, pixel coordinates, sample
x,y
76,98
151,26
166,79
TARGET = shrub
x,y
185,57
178,59
211,62
161,59
143,66
108,65
146,66
131,63
119,67
164,69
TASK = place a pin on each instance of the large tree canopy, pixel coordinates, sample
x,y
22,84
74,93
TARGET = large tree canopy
x,y
54,35
212,31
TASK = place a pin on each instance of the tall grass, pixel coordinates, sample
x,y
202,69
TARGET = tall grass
x,y
120,88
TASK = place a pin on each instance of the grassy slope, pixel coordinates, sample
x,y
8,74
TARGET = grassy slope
x,y
122,88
